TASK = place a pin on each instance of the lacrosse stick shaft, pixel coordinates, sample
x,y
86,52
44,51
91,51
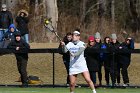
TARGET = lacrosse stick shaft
x,y
57,36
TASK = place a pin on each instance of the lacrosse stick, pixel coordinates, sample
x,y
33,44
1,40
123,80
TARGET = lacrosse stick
x,y
49,26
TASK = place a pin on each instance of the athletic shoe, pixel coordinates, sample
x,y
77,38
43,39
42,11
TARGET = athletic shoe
x,y
118,84
126,85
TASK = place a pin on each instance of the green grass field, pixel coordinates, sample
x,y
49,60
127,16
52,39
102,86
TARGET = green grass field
x,y
65,90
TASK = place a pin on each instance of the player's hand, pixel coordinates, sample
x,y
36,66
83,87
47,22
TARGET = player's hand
x,y
72,54
17,48
62,43
120,47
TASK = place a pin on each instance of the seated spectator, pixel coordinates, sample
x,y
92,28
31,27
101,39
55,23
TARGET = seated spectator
x,y
9,35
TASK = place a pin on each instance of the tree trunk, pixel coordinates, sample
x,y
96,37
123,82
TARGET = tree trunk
x,y
101,11
83,14
132,9
113,15
52,12
12,5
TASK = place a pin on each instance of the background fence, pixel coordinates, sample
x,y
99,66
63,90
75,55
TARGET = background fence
x,y
48,65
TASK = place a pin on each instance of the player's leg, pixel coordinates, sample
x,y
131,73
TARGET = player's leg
x,y
86,75
72,82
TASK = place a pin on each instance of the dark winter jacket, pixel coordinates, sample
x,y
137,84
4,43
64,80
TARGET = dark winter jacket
x,y
100,54
125,52
10,35
22,53
5,19
92,55
22,25
114,52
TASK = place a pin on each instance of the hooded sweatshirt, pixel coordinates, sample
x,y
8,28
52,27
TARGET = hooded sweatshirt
x,y
10,35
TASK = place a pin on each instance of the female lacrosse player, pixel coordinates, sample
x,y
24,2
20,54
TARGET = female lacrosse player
x,y
77,61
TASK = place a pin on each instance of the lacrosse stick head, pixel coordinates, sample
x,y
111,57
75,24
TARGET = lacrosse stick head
x,y
48,24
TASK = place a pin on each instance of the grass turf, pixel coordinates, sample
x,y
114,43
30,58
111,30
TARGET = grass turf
x,y
65,90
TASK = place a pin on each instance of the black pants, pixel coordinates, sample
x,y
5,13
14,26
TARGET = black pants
x,y
113,72
66,63
122,67
22,66
100,73
93,76
107,71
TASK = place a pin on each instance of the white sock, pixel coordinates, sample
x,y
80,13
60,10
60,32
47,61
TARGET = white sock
x,y
71,92
94,91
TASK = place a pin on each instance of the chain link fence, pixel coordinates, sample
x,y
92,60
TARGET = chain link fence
x,y
50,69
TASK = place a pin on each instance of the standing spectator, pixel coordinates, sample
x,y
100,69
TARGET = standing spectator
x,y
22,24
20,48
9,35
100,62
5,20
66,56
91,55
114,59
107,57
124,60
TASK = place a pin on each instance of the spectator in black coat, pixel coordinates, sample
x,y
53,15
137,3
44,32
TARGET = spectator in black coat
x,y
107,57
22,24
100,62
6,20
114,58
124,60
20,48
91,55
66,56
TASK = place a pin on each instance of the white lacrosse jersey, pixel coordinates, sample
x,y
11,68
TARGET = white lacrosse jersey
x,y
78,63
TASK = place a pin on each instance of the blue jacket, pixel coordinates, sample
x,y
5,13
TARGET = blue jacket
x,y
10,35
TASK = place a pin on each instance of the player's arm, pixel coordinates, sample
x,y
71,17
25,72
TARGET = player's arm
x,y
64,48
81,50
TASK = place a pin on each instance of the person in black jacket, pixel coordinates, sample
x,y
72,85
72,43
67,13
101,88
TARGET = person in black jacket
x,y
124,60
100,62
91,55
114,58
20,49
66,56
6,20
22,24
107,57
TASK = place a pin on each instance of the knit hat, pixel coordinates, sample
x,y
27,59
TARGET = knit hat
x,y
97,35
4,6
113,36
91,38
17,34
